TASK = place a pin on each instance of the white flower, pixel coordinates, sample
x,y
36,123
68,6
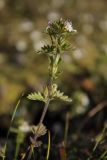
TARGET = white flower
x,y
68,26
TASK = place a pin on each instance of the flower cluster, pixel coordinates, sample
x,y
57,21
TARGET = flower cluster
x,y
59,27
59,31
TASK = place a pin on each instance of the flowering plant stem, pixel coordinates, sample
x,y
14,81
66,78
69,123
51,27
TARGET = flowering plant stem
x,y
58,32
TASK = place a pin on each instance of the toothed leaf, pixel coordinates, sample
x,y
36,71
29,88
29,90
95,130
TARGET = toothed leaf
x,y
39,130
58,94
36,96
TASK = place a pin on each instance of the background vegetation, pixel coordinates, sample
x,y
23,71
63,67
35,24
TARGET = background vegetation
x,y
84,76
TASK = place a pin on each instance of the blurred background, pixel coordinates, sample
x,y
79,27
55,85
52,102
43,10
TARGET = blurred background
x,y
84,76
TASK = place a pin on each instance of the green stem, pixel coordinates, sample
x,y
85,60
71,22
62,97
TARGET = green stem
x,y
66,128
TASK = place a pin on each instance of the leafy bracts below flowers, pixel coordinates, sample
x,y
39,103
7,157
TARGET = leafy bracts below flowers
x,y
47,49
58,32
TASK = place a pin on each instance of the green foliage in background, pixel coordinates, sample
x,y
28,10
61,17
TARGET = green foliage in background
x,y
20,35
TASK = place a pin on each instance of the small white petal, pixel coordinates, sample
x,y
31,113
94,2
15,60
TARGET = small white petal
x,y
68,26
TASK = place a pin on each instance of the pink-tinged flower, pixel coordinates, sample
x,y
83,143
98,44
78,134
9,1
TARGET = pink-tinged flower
x,y
68,26
49,26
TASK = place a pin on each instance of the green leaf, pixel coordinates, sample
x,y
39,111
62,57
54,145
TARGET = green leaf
x,y
47,49
59,95
63,97
36,96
